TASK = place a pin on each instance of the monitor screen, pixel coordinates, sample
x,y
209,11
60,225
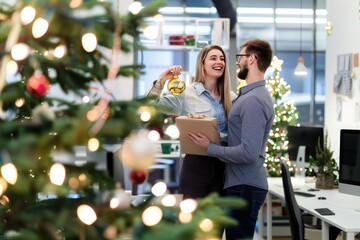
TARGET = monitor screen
x,y
349,161
304,136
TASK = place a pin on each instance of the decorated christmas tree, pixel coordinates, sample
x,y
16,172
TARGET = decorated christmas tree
x,y
71,45
285,115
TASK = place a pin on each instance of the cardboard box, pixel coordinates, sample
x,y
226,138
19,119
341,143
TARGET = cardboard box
x,y
204,125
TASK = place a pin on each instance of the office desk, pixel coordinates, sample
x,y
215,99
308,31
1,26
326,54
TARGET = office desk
x,y
346,207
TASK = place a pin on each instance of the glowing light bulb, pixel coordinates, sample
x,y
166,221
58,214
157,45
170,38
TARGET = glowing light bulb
x,y
12,67
168,201
114,203
86,99
27,15
20,51
57,174
9,173
185,217
152,216
151,32
159,189
89,42
86,214
172,131
145,116
154,135
93,144
60,51
188,205
40,27
206,225
135,7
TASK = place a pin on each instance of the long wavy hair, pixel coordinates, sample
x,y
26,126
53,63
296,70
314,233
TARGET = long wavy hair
x,y
223,82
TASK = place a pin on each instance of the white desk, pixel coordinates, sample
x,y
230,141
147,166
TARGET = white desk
x,y
346,208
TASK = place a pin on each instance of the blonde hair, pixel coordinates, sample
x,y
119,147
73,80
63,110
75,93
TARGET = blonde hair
x,y
223,82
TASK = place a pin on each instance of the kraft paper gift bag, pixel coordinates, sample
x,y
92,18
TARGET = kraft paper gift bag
x,y
204,125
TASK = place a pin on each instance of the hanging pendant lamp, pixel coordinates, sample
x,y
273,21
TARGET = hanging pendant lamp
x,y
300,69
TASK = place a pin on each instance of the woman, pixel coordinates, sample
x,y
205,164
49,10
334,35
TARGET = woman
x,y
209,95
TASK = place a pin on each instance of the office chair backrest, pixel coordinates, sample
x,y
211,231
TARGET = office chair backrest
x,y
295,216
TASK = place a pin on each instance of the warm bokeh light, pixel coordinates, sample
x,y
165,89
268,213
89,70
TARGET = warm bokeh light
x,y
206,225
27,15
74,183
154,135
40,27
114,203
188,205
135,7
12,67
89,42
152,216
185,217
86,99
172,131
159,189
151,32
9,173
93,144
60,51
20,51
86,214
57,174
19,102
145,116
168,201
3,184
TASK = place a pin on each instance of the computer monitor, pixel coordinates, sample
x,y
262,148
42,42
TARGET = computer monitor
x,y
349,162
305,138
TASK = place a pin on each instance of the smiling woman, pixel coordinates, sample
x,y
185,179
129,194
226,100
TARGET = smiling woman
x,y
207,95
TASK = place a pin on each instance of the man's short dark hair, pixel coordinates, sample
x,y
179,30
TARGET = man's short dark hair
x,y
261,49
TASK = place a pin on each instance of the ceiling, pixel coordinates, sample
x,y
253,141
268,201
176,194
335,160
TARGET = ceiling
x,y
281,22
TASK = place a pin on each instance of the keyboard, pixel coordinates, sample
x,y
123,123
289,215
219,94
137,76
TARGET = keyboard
x,y
304,194
324,211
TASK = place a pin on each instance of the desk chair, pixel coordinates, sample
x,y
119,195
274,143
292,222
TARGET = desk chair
x,y
297,224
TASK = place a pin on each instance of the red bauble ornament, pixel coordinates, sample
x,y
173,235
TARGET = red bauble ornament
x,y
137,177
38,85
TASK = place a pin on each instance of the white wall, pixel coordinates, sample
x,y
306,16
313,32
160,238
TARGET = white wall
x,y
345,39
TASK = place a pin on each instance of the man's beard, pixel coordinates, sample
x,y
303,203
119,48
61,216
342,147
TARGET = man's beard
x,y
242,74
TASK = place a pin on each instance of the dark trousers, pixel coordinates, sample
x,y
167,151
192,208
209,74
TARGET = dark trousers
x,y
247,216
201,175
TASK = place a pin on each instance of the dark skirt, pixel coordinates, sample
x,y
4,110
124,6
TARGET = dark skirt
x,y
200,176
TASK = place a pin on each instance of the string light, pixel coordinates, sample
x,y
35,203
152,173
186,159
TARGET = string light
x,y
152,216
89,42
40,27
27,15
57,174
20,51
86,214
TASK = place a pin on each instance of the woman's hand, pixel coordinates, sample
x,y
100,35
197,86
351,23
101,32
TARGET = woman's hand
x,y
170,73
199,139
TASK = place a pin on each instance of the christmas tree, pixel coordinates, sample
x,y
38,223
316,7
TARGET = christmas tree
x,y
71,45
285,115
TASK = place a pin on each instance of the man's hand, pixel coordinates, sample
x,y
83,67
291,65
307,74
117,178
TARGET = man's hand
x,y
199,139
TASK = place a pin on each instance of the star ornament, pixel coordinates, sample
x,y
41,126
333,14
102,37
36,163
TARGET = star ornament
x,y
276,64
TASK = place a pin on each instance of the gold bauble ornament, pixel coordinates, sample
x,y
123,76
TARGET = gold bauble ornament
x,y
176,86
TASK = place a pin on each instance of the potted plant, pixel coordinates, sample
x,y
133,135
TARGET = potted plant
x,y
324,164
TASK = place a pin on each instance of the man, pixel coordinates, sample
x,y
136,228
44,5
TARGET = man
x,y
249,124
